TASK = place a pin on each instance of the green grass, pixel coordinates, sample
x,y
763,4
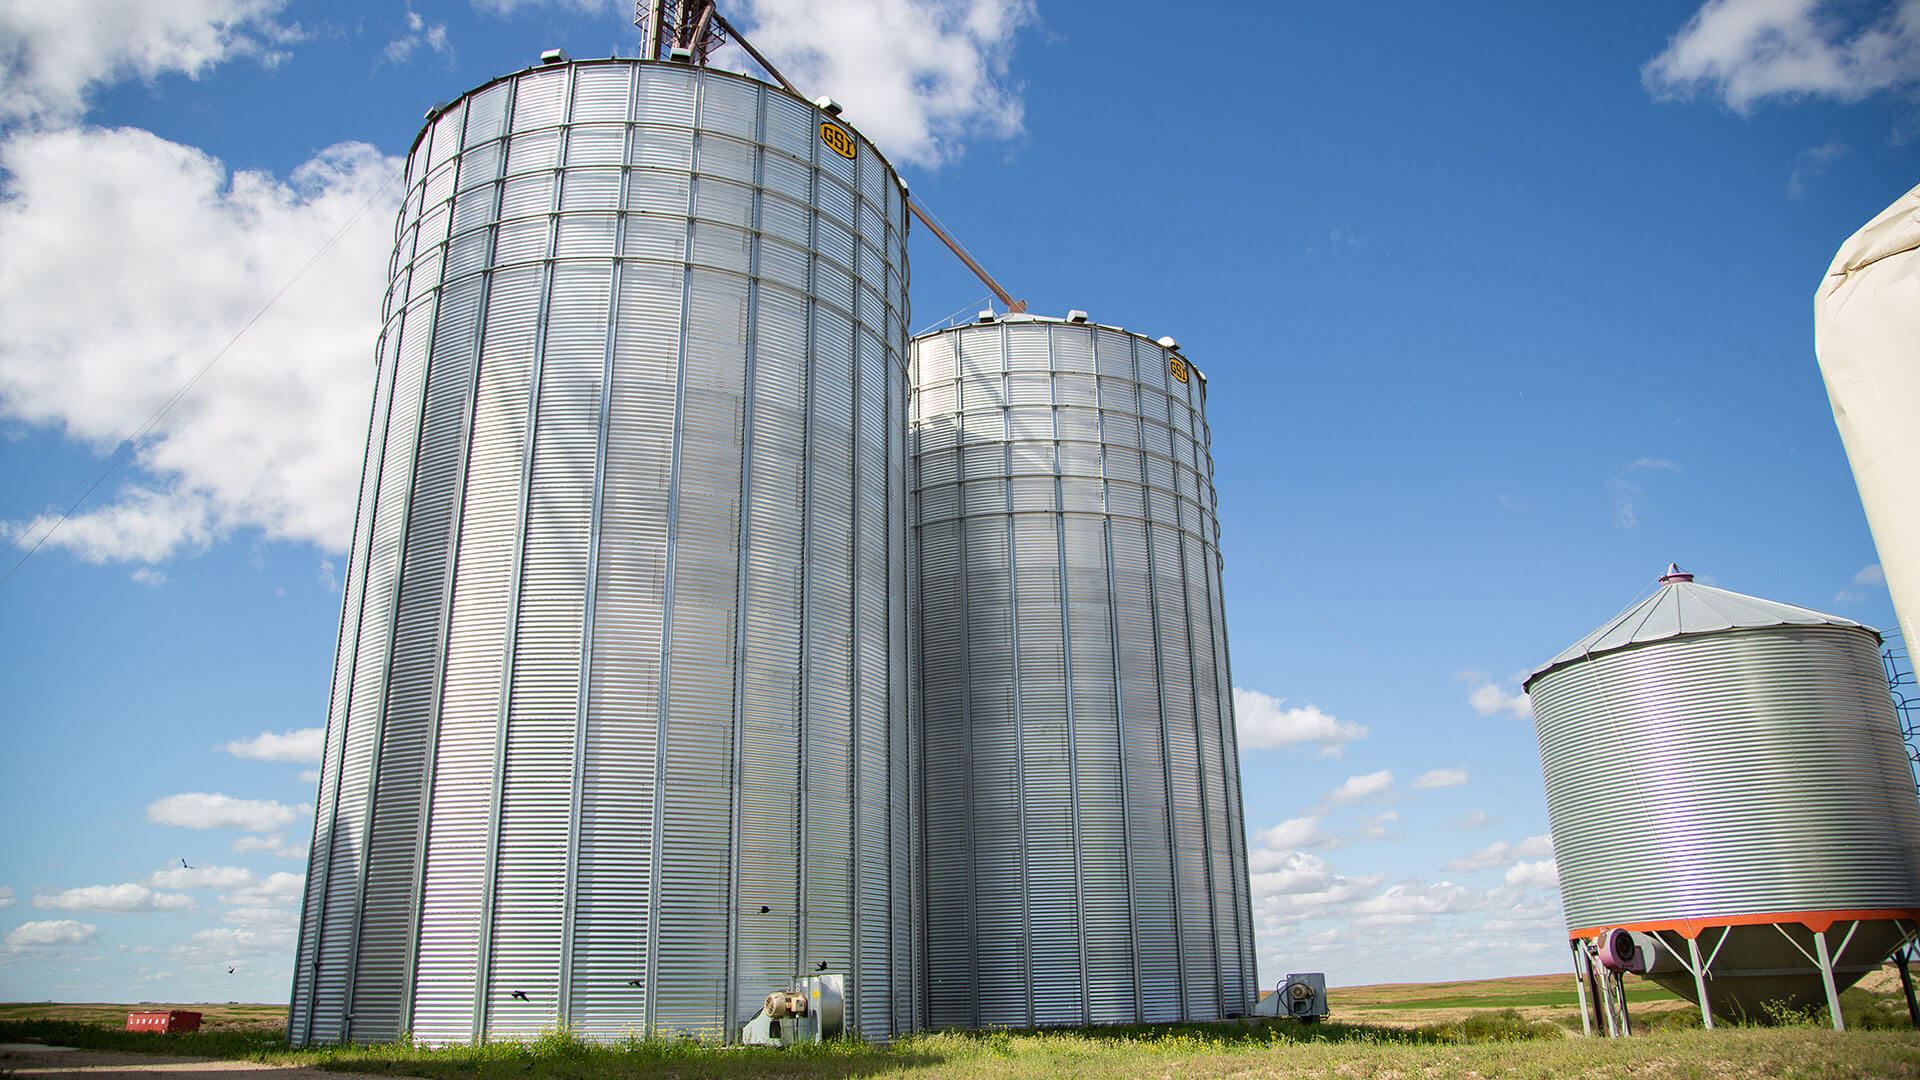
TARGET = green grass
x,y
1498,1043
1084,1051
1486,1043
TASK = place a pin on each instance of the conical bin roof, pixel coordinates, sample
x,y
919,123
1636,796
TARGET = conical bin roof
x,y
1682,607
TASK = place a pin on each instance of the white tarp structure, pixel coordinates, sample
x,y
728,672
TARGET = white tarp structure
x,y
1866,320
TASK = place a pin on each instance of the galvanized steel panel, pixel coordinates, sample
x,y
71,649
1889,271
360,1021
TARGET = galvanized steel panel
x,y
618,736
1738,772
1084,857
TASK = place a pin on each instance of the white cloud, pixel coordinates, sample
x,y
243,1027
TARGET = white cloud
x,y
1490,699
1439,778
201,877
123,898
52,52
1525,913
1475,819
507,7
1626,496
302,745
262,918
148,576
272,845
1303,887
1291,834
1869,578
275,891
223,943
1380,826
1296,874
419,33
1745,51
1544,874
1501,853
175,256
1360,788
1811,163
918,77
1404,905
1487,698
51,932
6,896
1262,724
200,810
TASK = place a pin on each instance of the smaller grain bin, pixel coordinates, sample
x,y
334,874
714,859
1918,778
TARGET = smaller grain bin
x,y
1083,837
1726,781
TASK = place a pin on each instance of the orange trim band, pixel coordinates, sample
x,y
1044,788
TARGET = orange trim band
x,y
1817,921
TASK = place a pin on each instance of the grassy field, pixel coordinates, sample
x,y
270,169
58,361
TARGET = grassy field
x,y
231,1016
1534,997
1470,1030
1231,1052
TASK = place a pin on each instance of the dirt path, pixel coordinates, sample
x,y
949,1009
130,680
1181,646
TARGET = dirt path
x,y
61,1063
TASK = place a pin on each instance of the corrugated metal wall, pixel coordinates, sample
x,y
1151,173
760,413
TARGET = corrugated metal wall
x,y
618,735
1727,774
1085,858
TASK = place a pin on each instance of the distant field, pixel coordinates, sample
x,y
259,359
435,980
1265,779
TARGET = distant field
x,y
1535,997
228,1017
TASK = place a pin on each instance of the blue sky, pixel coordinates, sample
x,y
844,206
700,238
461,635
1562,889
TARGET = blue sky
x,y
1503,307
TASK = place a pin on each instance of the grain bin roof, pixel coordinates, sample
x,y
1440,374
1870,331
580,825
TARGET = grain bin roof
x,y
1683,607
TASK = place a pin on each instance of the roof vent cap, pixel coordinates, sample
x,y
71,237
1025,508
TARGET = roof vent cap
x,y
680,54
1169,343
1674,573
1076,315
985,316
555,56
436,109
827,105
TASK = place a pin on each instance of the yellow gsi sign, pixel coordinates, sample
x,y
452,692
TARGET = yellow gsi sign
x,y
837,138
1179,367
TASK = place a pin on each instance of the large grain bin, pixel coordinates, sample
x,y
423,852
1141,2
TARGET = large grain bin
x,y
1726,774
617,734
1085,858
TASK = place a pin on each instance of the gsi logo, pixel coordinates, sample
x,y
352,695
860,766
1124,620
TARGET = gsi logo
x,y
837,138
1179,367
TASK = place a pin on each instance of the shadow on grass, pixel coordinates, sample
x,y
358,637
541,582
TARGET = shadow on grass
x,y
558,1057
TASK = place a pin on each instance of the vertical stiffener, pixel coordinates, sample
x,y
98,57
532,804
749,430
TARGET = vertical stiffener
x,y
1085,856
617,731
